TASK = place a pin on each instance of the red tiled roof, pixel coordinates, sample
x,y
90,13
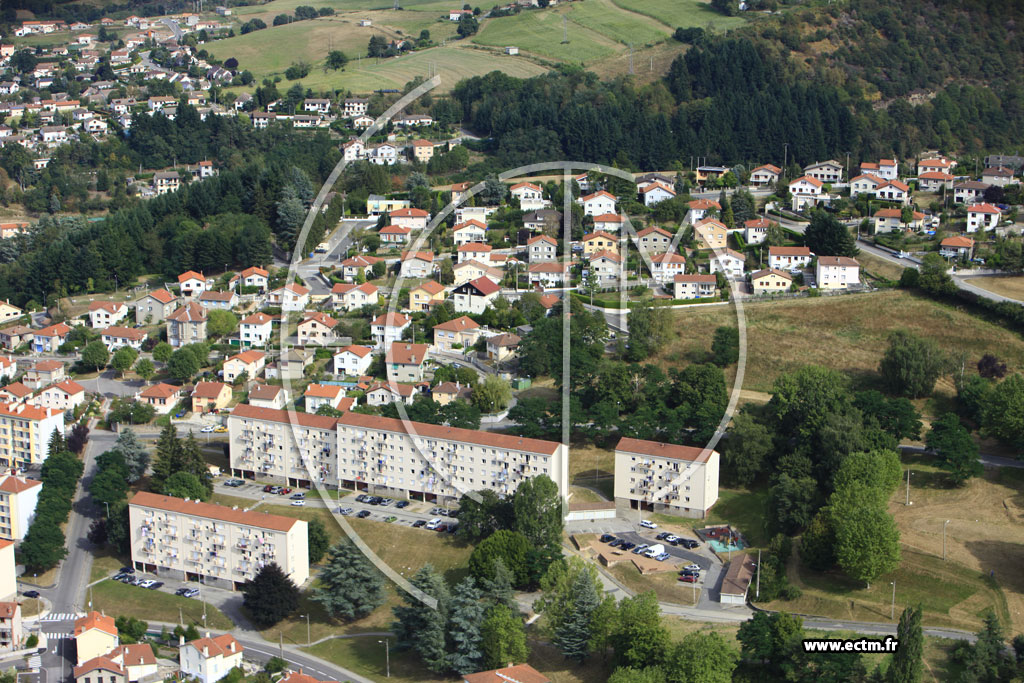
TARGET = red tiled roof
x,y
410,213
208,389
319,317
112,306
471,223
955,241
162,295
95,620
391,320
224,645
809,179
844,261
405,353
693,277
427,256
484,285
323,391
789,251
982,208
475,247
599,234
160,390
660,450
189,313
600,193
356,349
256,319
769,271
260,520
68,386
431,287
248,357
98,663
14,484
542,238
609,218
118,332
520,673
255,270
190,275
705,204
460,324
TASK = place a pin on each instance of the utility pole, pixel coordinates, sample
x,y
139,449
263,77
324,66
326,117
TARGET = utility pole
x,y
944,540
785,157
757,593
892,612
908,487
631,59
565,29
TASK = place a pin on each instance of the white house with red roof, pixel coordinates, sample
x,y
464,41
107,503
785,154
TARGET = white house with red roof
x,y
19,497
470,231
417,264
209,659
836,272
651,475
9,367
609,222
806,191
518,673
63,396
49,338
316,328
253,276
755,231
727,261
351,268
475,296
383,393
982,217
893,191
693,286
346,296
106,313
547,274
387,329
394,234
957,246
461,332
665,266
162,396
405,361
597,203
353,361
886,169
764,175
887,220
699,208
412,218
935,181
789,258
474,251
191,283
251,363
935,164
268,396
255,330
655,192
866,183
291,297
317,395
530,196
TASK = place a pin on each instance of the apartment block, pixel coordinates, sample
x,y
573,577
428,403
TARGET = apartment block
x,y
221,546
664,477
25,433
18,498
386,456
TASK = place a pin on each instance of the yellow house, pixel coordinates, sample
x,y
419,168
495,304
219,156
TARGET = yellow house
x,y
711,234
8,575
770,280
422,150
600,241
425,296
210,396
95,636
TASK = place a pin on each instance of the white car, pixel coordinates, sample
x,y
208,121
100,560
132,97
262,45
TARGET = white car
x,y
298,503
693,567
207,429
434,523
671,538
147,583
648,525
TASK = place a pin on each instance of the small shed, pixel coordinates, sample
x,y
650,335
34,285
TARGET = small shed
x,y
736,582
511,50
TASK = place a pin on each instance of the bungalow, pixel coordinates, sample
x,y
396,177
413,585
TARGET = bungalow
x,y
600,241
606,267
530,196
711,234
353,361
769,281
394,234
316,329
982,217
187,325
255,330
162,396
475,296
49,338
458,333
893,191
935,164
699,208
414,219
473,269
656,192
654,239
387,329
474,251
957,247
470,231
607,222
546,274
417,264
249,363
756,231
318,106
106,313
664,267
866,183
44,373
765,175
317,395
350,297
1000,176
887,220
192,284
727,261
353,268
155,306
381,394
830,171
693,286
789,258
268,396
836,272
935,181
425,296
291,297
598,203
548,220
254,276
501,347
63,396
542,248
969,191
404,361
223,301
115,337
208,397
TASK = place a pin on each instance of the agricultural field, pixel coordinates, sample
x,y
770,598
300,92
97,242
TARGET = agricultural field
x,y
681,13
541,34
842,332
618,24
1012,287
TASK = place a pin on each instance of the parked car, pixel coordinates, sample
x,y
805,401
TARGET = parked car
x,y
208,429
689,578
234,483
298,496
441,528
418,523
361,498
628,545
146,583
284,492
607,538
345,511
31,594
647,524
363,514
384,502
693,567
640,548
191,593
390,519
688,543
221,429
402,504
671,538
180,591
434,523
662,557
298,503
156,584
127,570
663,536
268,488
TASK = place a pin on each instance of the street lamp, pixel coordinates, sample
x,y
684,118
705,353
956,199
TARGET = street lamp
x,y
387,656
944,540
908,487
892,612
309,640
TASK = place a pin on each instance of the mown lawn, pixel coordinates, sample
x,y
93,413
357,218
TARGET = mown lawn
x,y
116,599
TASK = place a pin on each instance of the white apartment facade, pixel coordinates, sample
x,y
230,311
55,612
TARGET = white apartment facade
x,y
662,477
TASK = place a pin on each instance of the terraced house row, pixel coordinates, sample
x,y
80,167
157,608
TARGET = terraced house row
x,y
386,456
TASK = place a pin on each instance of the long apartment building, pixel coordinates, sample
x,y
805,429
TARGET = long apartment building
x,y
386,456
221,546
664,477
25,433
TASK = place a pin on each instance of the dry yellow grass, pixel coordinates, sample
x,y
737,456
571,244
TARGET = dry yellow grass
x,y
1012,287
847,333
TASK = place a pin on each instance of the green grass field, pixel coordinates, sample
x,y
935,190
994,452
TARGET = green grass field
x,y
540,33
115,598
617,23
681,13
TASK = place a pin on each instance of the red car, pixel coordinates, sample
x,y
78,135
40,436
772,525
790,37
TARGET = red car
x,y
284,491
688,578
266,489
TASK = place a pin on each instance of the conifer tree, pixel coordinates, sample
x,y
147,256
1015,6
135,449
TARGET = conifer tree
x,y
350,587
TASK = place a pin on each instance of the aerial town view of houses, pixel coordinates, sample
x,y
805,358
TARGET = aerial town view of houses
x,y
552,341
